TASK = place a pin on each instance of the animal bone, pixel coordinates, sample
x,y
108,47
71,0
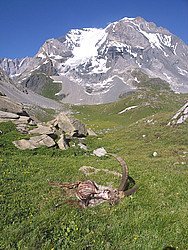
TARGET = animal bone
x,y
89,192
84,169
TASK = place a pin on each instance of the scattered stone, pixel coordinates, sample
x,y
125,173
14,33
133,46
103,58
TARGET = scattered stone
x,y
81,145
149,121
91,132
154,154
23,128
100,152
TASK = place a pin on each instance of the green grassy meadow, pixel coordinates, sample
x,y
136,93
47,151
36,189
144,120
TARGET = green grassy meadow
x,y
154,217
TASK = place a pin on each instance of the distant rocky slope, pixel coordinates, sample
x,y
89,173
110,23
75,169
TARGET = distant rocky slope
x,y
100,65
27,97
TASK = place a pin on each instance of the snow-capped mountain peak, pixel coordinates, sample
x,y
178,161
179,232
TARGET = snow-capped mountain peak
x,y
101,62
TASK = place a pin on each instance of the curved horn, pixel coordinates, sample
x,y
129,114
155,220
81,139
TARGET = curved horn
x,y
131,191
124,178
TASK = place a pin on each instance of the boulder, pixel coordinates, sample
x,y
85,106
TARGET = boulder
x,y
41,130
70,125
154,154
8,115
24,119
62,143
91,132
99,152
35,142
24,144
8,105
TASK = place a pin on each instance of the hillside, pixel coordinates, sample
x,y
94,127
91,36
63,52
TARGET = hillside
x,y
134,128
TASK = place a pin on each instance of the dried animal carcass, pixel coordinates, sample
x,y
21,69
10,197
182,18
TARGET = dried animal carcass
x,y
89,192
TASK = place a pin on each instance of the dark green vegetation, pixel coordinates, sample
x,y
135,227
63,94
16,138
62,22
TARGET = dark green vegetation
x,y
146,83
154,217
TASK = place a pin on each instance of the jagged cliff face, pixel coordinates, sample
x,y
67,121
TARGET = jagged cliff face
x,y
98,65
15,67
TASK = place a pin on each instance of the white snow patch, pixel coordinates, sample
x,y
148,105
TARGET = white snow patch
x,y
55,56
136,79
21,62
99,66
131,107
174,47
153,39
168,77
139,64
58,81
42,55
35,68
45,62
128,19
182,71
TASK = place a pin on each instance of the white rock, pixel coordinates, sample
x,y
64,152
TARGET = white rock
x,y
82,146
100,152
154,154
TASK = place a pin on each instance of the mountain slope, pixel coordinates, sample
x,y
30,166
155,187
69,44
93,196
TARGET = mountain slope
x,y
99,65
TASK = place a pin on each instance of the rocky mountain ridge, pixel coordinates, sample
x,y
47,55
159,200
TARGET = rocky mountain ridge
x,y
98,65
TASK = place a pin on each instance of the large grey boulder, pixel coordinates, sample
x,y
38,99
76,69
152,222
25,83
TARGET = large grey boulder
x,y
41,130
8,115
35,142
8,105
69,125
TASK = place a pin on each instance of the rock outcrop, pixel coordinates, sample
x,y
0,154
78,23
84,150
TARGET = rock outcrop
x,y
69,125
35,142
8,105
180,117
64,125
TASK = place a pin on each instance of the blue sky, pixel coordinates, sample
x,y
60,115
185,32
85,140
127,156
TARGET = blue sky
x,y
26,24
